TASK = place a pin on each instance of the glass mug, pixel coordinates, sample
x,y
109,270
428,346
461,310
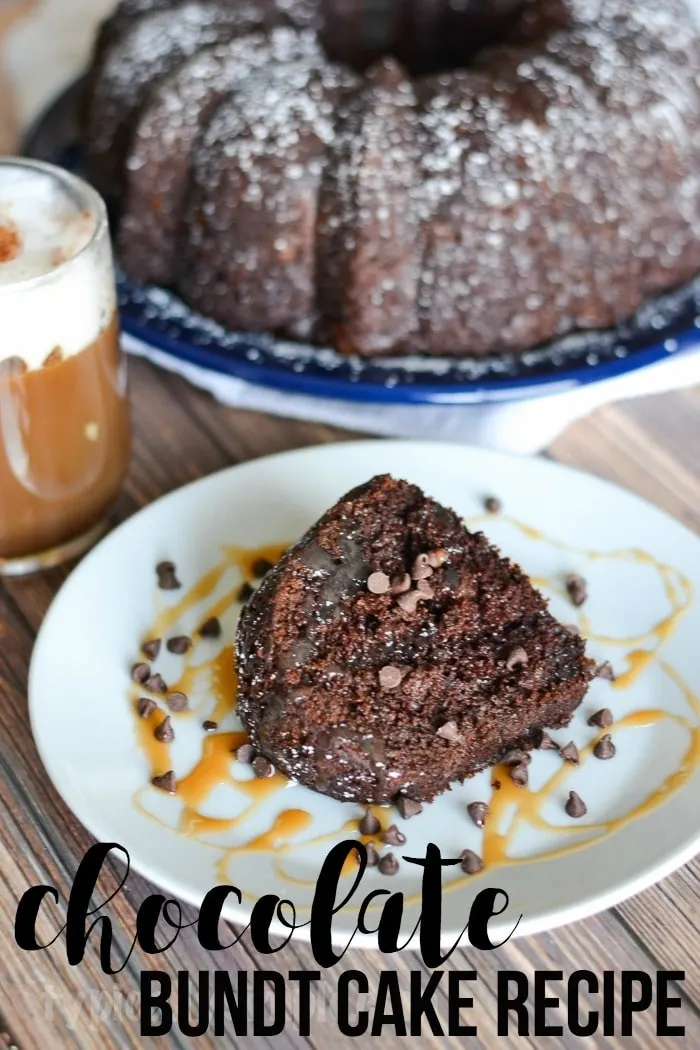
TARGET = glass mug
x,y
65,434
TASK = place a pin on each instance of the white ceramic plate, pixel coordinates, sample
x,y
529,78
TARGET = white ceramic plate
x,y
85,729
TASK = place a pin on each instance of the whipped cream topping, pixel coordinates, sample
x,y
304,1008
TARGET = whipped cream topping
x,y
56,293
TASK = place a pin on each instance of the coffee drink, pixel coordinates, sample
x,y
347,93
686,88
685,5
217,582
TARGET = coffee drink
x,y
64,419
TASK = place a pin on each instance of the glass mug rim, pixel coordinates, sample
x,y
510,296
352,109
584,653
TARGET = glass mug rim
x,y
40,525
86,196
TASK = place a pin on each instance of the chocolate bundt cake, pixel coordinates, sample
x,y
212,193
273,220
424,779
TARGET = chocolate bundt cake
x,y
392,651
158,180
545,184
266,143
134,55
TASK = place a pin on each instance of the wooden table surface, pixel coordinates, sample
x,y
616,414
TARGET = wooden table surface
x,y
650,446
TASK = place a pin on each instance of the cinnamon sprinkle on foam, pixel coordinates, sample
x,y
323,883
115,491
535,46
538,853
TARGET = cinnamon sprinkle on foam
x,y
10,243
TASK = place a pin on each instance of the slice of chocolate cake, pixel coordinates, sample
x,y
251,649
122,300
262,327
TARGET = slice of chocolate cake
x,y
392,651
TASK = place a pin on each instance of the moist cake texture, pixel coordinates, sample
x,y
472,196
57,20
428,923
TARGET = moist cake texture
x,y
392,651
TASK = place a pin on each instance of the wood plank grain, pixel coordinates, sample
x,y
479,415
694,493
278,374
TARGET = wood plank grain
x,y
181,434
613,445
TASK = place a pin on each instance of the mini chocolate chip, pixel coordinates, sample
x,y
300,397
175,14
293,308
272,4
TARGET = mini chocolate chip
x,y
391,676
145,706
436,559
210,727
245,754
169,583
166,782
478,811
575,806
496,785
151,648
572,628
179,645
262,768
493,505
519,774
167,576
177,702
605,671
245,593
471,862
602,718
408,602
421,569
450,732
378,583
400,585
392,836
156,684
260,567
140,673
544,742
211,628
570,753
577,588
389,865
164,731
516,757
425,590
369,825
516,658
372,856
605,748
408,807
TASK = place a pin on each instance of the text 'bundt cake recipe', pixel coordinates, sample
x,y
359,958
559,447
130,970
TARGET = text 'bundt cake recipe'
x,y
545,184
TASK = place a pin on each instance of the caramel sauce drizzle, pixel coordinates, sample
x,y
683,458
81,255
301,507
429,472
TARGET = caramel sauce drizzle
x,y
677,588
512,807
287,826
529,804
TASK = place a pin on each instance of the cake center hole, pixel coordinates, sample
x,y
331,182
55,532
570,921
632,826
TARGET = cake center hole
x,y
424,35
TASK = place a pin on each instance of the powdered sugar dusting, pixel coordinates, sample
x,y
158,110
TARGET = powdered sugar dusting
x,y
147,48
558,193
251,220
550,187
158,166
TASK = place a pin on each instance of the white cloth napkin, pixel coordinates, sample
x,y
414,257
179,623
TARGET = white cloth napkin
x,y
523,426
